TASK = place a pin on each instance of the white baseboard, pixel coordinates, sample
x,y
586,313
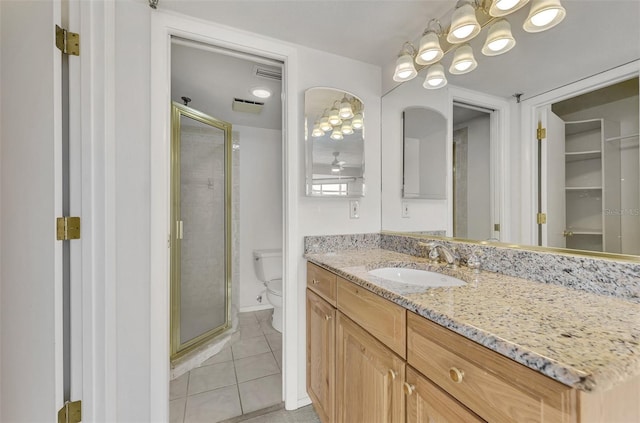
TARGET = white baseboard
x,y
302,402
255,308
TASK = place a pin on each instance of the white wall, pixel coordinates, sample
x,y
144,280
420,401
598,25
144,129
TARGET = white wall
x,y
260,204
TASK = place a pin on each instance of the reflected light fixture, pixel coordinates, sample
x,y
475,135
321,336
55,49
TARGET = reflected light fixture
x,y
346,111
334,115
464,24
405,70
357,122
463,60
347,127
337,134
435,77
324,122
317,132
500,8
499,39
544,14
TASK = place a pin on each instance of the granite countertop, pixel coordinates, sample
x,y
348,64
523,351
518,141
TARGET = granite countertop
x,y
587,341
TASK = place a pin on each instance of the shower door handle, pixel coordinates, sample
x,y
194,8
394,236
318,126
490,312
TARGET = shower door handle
x,y
179,232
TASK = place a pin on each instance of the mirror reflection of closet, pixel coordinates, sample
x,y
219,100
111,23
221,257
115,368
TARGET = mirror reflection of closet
x,y
473,208
596,205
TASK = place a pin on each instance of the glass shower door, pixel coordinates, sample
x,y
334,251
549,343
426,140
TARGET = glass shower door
x,y
200,248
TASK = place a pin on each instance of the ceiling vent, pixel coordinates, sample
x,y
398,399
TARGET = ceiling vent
x,y
274,74
247,106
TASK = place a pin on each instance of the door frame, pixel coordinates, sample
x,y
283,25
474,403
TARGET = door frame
x,y
163,27
529,110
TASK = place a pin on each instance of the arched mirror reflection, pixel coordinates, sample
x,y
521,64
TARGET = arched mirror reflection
x,y
334,138
424,154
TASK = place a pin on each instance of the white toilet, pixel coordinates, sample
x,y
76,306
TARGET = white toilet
x,y
268,267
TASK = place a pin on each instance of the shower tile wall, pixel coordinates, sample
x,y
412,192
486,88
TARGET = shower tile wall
x,y
202,191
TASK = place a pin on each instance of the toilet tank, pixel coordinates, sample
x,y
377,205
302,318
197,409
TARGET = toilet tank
x,y
268,264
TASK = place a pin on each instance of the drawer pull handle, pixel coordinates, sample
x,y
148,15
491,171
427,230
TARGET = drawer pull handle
x,y
392,374
315,281
456,374
408,389
327,317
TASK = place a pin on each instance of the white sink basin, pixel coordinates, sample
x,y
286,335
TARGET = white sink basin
x,y
416,277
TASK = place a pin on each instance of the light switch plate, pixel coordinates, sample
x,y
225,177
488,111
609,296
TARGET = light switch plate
x,y
354,209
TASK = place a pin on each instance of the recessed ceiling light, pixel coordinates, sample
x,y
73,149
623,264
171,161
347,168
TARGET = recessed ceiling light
x,y
261,92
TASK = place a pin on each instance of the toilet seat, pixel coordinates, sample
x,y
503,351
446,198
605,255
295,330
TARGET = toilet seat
x,y
274,286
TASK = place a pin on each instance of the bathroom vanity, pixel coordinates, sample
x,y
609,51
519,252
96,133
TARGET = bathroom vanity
x,y
499,349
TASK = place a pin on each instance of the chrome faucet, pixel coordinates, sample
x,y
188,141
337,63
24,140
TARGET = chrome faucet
x,y
438,250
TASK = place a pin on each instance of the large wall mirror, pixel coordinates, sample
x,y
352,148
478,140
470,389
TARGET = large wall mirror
x,y
334,139
585,179
424,154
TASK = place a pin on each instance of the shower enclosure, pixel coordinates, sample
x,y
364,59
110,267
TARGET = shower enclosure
x,y
201,228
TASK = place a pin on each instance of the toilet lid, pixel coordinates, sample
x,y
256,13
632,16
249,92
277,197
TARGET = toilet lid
x,y
275,286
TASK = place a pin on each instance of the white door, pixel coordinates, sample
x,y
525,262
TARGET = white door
x,y
31,187
552,184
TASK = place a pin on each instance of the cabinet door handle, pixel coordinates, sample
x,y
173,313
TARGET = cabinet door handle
x,y
408,389
456,374
315,281
327,317
392,374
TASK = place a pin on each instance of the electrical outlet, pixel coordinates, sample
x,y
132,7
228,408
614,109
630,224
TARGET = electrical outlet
x,y
354,209
405,209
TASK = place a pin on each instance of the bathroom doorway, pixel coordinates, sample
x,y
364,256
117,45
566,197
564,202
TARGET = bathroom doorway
x,y
239,369
473,190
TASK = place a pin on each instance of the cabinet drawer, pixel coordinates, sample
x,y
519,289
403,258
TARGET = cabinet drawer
x,y
322,282
381,318
496,388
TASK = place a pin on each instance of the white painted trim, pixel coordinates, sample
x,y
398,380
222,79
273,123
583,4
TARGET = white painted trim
x,y
304,401
500,121
163,26
529,148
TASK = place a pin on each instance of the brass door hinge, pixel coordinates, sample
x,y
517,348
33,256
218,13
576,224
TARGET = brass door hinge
x,y
541,218
67,42
71,412
541,133
67,228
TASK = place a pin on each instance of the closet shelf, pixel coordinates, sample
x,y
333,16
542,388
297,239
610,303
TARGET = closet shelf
x,y
585,232
583,188
582,155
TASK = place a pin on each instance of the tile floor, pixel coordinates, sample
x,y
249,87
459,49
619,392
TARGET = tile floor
x,y
244,377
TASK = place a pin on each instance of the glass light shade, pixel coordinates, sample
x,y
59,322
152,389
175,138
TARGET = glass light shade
x,y
544,14
504,7
405,70
499,39
358,121
325,125
317,132
430,50
337,134
334,117
435,77
335,168
345,109
463,60
464,25
347,127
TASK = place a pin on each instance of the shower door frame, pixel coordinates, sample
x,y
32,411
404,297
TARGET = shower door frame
x,y
177,348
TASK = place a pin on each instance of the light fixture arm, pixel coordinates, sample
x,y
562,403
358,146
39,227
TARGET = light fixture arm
x,y
430,28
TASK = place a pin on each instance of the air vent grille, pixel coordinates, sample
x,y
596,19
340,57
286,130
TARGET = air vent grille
x,y
247,106
274,74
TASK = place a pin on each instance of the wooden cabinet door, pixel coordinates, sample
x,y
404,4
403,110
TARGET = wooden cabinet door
x,y
426,403
321,324
369,377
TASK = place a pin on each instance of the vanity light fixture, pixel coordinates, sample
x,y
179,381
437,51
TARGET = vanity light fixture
x,y
464,24
544,14
499,39
463,60
261,92
435,77
501,8
324,122
317,132
347,127
346,111
468,19
337,134
405,70
357,122
430,50
334,115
